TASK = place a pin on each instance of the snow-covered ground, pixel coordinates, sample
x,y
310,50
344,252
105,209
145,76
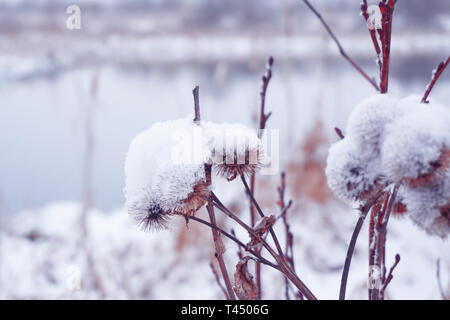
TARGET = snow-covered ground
x,y
43,257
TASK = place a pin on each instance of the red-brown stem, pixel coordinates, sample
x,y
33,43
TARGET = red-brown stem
x,y
382,233
377,238
389,277
233,238
348,258
387,10
289,242
436,74
263,117
341,49
372,32
219,253
282,264
373,259
261,214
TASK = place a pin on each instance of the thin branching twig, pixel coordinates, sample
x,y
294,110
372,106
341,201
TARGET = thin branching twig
x,y
435,76
341,49
389,276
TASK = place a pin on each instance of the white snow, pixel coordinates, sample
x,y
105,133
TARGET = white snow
x,y
350,172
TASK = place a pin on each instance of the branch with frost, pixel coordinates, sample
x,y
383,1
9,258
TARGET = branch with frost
x,y
218,243
380,33
341,49
348,258
389,276
434,77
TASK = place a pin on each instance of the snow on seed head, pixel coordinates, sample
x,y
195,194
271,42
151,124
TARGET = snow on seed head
x,y
350,175
161,178
428,208
367,121
182,188
234,149
416,147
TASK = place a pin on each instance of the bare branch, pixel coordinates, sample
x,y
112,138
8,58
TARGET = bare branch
x,y
372,32
341,49
348,259
263,117
339,132
435,76
282,264
387,10
219,252
390,276
216,276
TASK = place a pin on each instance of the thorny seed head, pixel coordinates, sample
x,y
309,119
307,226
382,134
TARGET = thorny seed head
x,y
231,167
148,214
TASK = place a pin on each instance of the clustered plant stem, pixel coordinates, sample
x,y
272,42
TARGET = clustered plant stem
x,y
382,203
282,263
436,74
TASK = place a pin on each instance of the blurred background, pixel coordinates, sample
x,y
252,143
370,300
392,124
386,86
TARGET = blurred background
x,y
71,101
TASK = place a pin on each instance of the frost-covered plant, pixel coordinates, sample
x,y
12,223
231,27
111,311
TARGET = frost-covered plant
x,y
403,142
166,166
234,149
168,171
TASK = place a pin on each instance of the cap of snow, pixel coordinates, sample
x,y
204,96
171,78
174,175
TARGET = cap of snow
x,y
162,170
350,174
415,142
425,208
367,121
165,165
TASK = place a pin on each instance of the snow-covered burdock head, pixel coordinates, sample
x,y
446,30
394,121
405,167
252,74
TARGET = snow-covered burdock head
x,y
166,166
165,174
429,207
350,174
401,141
234,149
366,123
417,145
